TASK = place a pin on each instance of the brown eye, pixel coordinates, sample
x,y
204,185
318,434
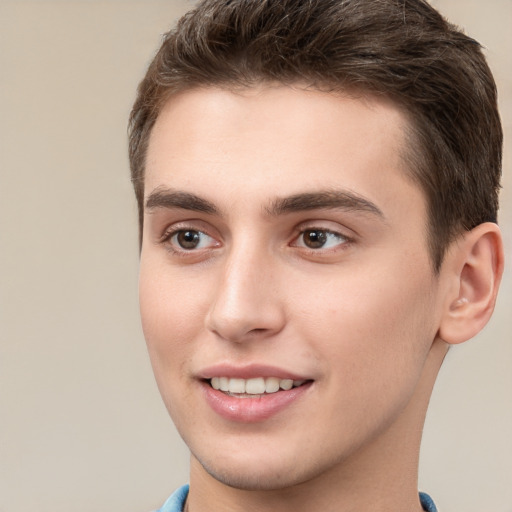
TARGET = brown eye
x,y
189,242
314,238
317,238
188,239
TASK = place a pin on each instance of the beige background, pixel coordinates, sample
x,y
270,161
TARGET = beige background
x,y
82,428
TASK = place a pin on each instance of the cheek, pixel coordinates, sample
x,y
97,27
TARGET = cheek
x,y
376,331
170,301
170,323
169,319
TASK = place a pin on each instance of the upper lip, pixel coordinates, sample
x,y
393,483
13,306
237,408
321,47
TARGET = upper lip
x,y
250,371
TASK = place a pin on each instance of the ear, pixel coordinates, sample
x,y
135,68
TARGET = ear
x,y
474,266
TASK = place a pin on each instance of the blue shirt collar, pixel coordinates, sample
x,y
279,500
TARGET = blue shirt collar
x,y
176,501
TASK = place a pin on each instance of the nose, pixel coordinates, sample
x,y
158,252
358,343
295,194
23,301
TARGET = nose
x,y
247,303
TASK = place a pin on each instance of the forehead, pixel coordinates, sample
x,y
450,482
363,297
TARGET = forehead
x,y
277,140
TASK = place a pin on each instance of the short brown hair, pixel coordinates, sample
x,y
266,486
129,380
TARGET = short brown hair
x,y
402,49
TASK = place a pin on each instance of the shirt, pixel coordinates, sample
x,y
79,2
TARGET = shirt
x,y
176,501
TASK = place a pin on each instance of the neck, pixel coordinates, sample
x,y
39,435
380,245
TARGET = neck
x,y
381,477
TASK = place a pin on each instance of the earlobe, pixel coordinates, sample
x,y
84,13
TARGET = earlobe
x,y
476,267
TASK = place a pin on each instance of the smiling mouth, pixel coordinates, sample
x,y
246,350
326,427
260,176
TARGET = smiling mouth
x,y
253,387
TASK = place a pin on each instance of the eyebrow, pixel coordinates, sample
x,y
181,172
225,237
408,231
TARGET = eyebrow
x,y
167,198
329,199
321,200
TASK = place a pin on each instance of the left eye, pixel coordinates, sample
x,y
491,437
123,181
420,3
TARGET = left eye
x,y
190,239
319,239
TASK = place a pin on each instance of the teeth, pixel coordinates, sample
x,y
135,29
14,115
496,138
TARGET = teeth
x,y
286,384
255,386
271,385
224,384
236,385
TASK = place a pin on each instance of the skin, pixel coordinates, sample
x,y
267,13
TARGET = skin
x,y
359,316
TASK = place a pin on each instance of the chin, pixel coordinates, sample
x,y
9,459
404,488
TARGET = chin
x,y
250,480
261,475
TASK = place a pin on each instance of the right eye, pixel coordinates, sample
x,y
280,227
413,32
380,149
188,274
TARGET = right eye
x,y
190,240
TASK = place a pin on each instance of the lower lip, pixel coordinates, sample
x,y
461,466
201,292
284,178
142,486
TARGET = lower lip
x,y
252,410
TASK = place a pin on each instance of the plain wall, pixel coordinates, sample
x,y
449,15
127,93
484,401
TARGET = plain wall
x,y
82,427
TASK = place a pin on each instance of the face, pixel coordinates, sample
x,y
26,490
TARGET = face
x,y
287,296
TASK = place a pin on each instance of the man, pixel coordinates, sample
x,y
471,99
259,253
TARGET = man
x,y
317,185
